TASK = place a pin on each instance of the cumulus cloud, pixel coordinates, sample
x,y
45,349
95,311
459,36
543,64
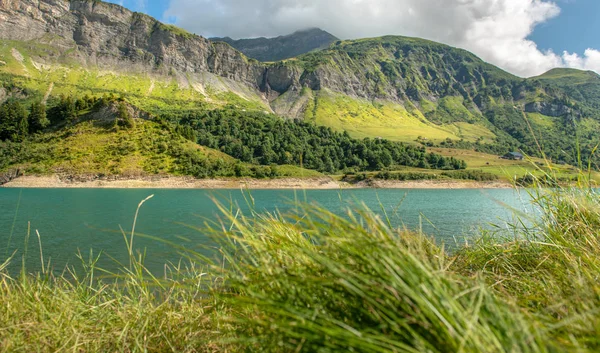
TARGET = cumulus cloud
x,y
496,30
589,61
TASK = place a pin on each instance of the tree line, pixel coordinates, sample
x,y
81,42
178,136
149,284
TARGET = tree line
x,y
18,120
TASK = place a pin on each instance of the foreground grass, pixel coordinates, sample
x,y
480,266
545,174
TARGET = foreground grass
x,y
60,315
313,281
552,272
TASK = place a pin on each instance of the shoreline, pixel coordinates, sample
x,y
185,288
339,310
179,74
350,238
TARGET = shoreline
x,y
322,183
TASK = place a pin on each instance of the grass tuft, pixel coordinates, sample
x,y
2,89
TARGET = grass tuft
x,y
319,282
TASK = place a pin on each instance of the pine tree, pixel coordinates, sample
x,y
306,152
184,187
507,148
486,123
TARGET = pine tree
x,y
68,109
124,116
13,121
38,119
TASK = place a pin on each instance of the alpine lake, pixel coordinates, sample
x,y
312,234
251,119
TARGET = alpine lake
x,y
85,221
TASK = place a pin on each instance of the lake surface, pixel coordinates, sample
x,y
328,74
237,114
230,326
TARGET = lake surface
x,y
72,220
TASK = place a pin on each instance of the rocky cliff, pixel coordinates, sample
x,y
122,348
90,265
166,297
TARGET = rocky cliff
x,y
110,36
7,176
547,109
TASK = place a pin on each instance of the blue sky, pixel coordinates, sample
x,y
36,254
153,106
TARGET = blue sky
x,y
576,29
153,8
525,37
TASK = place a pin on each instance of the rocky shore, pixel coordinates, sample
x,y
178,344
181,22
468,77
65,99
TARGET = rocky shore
x,y
165,182
6,177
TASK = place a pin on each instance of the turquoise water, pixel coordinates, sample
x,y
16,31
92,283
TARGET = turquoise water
x,y
72,220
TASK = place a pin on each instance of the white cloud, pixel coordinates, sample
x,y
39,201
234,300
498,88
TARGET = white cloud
x,y
589,61
495,30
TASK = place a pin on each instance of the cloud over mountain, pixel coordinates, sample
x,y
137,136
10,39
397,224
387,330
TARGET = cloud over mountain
x,y
496,30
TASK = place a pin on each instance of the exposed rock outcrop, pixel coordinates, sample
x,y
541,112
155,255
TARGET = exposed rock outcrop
x,y
548,109
109,112
8,176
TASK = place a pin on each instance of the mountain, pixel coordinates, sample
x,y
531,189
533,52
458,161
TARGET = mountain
x,y
90,87
395,88
101,35
411,89
583,86
282,47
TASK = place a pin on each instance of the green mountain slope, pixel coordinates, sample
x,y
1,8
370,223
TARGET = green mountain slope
x,y
398,87
43,71
582,86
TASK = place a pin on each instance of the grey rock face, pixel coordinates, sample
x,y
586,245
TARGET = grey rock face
x,y
109,113
280,78
9,176
107,35
544,108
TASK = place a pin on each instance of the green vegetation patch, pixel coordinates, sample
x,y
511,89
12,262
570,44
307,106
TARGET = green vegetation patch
x,y
365,119
175,30
266,139
388,120
106,137
155,94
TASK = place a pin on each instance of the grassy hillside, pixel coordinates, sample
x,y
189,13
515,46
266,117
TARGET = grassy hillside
x,y
45,71
389,120
511,170
97,144
87,150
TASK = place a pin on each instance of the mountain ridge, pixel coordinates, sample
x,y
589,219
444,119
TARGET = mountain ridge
x,y
281,47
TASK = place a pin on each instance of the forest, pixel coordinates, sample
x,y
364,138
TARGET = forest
x,y
265,139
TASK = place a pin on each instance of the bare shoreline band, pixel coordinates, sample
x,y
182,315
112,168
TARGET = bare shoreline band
x,y
257,184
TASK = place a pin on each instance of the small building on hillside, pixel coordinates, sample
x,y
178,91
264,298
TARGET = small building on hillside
x,y
513,156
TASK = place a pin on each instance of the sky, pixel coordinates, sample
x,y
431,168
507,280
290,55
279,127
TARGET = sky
x,y
524,37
